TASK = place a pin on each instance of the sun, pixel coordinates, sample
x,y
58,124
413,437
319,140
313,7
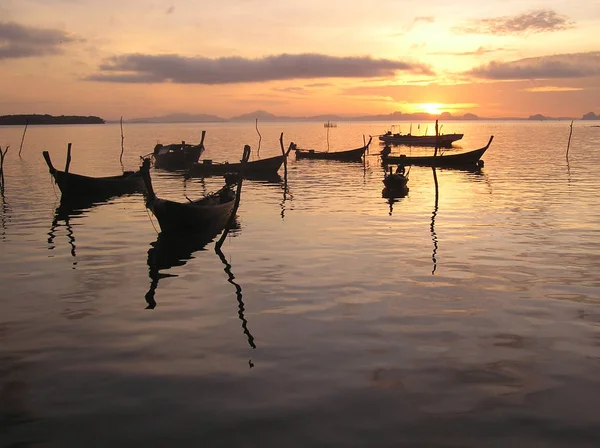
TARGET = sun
x,y
432,108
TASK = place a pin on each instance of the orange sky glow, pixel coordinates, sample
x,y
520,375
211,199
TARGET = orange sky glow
x,y
299,58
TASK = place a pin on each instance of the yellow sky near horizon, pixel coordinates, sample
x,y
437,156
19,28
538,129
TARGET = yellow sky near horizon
x,y
140,58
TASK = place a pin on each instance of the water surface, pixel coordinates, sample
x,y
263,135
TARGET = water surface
x,y
332,317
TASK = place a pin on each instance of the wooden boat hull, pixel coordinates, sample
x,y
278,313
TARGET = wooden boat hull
x,y
176,157
77,186
395,181
445,140
463,160
351,155
84,186
189,217
258,168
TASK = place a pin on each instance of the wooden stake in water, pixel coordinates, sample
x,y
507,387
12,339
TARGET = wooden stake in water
x,y
122,146
68,162
259,139
23,138
569,142
2,155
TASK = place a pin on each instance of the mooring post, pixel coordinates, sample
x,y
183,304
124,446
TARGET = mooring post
x,y
23,138
2,154
122,146
68,162
569,142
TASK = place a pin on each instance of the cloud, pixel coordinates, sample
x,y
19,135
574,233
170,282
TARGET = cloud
x,y
416,20
538,21
426,19
299,90
142,68
170,10
319,84
544,89
20,41
479,52
574,65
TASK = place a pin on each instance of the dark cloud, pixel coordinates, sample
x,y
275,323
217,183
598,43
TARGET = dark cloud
x,y
141,68
574,65
171,9
538,21
479,52
19,41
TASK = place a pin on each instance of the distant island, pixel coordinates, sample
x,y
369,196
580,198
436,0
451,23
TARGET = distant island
x,y
264,116
7,120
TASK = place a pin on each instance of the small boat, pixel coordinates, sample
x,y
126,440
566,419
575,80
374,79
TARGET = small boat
x,y
351,155
256,169
211,211
262,167
467,159
177,156
443,140
397,180
79,186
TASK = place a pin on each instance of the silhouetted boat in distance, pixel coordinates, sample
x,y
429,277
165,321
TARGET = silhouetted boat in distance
x,y
79,186
213,210
467,159
177,156
258,169
350,155
443,140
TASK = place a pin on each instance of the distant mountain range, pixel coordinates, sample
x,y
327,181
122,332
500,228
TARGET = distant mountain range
x,y
264,116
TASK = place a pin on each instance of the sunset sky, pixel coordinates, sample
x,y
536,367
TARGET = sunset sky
x,y
138,58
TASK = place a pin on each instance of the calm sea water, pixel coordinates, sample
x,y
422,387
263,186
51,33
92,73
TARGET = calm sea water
x,y
339,318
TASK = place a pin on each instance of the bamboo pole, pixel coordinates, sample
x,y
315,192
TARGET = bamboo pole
x,y
437,138
122,146
569,142
23,138
284,157
68,162
259,139
2,155
238,195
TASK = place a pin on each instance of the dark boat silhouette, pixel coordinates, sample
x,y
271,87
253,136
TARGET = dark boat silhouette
x,y
177,156
467,159
350,155
94,188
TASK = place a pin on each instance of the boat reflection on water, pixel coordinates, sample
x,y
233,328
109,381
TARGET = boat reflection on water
x,y
432,225
393,196
4,215
67,209
174,249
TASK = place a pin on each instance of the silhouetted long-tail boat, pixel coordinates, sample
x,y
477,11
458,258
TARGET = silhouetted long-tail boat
x,y
177,156
397,180
79,186
260,168
213,210
467,159
444,140
350,155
